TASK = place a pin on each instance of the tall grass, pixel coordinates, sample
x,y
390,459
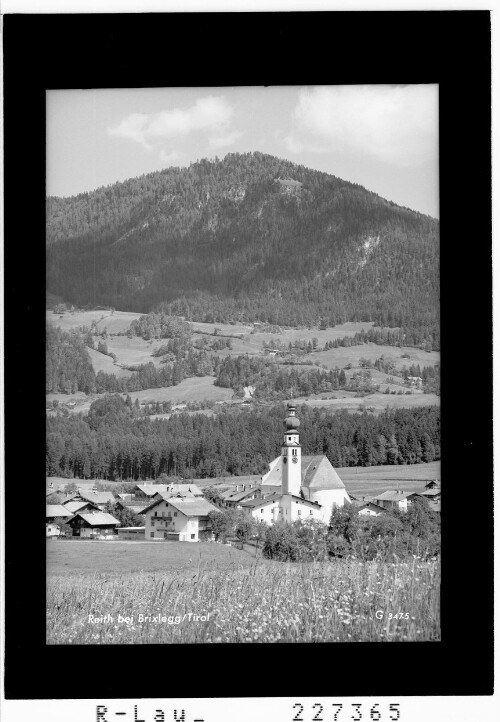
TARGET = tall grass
x,y
315,602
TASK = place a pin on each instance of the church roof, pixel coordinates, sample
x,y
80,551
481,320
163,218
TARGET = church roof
x,y
317,473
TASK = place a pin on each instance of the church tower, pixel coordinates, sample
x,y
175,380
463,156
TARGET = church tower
x,y
291,455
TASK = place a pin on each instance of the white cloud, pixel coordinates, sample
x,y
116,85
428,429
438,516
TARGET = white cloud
x,y
171,157
223,141
212,113
132,127
397,124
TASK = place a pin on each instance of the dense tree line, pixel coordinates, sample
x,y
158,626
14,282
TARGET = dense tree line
x,y
113,443
273,381
160,325
224,241
68,367
407,336
390,535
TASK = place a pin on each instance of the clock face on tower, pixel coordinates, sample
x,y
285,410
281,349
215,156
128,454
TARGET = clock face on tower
x,y
294,459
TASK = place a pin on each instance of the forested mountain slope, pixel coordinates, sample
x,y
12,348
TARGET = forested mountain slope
x,y
250,237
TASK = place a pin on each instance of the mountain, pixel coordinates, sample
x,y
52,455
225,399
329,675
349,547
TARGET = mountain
x,y
249,237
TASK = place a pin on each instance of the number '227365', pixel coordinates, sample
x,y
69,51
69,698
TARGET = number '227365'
x,y
341,713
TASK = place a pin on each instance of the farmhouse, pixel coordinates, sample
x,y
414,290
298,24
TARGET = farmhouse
x,y
53,512
233,498
432,484
178,519
434,494
56,511
93,525
370,509
394,498
309,485
99,498
83,506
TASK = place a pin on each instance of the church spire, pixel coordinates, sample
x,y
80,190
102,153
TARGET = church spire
x,y
291,454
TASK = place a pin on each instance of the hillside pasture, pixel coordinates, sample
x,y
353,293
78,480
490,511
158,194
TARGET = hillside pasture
x,y
379,401
197,388
351,355
134,351
102,362
117,322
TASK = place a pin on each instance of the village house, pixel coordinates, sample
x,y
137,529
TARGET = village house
x,y
99,498
433,484
394,498
415,381
53,512
178,519
370,509
94,525
286,507
83,506
233,497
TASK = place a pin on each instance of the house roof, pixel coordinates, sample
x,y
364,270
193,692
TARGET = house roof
x,y
188,506
256,503
97,497
431,492
134,508
153,489
317,473
393,495
99,518
226,480
370,505
53,510
74,506
232,495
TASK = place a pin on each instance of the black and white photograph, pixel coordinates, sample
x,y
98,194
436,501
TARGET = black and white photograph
x,y
240,247
243,365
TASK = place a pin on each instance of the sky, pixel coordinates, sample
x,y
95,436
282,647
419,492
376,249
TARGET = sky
x,y
383,137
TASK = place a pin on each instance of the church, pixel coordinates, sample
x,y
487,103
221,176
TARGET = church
x,y
296,486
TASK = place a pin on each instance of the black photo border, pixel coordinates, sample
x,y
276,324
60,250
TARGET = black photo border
x,y
451,48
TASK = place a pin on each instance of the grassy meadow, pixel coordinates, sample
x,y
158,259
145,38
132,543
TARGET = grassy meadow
x,y
136,351
372,480
236,598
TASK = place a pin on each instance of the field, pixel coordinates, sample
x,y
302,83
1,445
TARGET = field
x,y
135,351
117,322
197,388
379,401
373,480
344,355
192,597
122,557
102,362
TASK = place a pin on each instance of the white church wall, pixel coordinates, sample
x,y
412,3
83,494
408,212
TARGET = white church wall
x,y
328,498
267,513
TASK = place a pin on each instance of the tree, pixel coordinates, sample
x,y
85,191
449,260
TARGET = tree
x,y
70,488
220,524
244,530
211,494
